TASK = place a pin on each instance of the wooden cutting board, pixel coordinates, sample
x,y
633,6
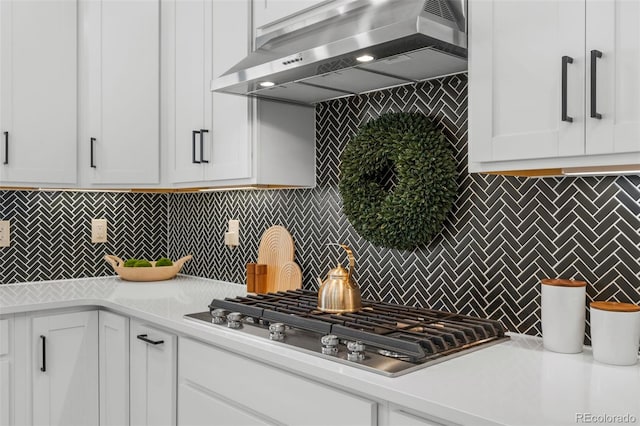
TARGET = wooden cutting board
x,y
289,277
276,246
276,250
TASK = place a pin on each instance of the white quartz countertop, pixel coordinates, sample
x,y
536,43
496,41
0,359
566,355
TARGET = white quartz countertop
x,y
515,382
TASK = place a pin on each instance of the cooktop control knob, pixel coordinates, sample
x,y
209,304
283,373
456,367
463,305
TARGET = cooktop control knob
x,y
234,320
219,316
356,351
329,344
276,331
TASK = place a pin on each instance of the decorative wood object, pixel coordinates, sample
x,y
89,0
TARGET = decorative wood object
x,y
289,277
153,273
256,278
276,251
276,246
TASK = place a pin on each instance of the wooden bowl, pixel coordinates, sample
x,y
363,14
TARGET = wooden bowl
x,y
154,273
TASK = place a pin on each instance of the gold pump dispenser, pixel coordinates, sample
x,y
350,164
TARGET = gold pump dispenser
x,y
339,293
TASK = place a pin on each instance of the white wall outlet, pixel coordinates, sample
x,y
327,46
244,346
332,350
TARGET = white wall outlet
x,y
5,233
98,231
232,237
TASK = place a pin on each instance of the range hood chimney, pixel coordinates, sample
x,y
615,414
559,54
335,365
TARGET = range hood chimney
x,y
348,47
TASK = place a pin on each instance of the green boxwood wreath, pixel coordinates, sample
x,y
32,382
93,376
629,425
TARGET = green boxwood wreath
x,y
398,180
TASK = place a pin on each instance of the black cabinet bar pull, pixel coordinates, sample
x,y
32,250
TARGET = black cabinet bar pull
x,y
595,54
193,147
6,148
202,132
93,166
565,61
144,338
43,339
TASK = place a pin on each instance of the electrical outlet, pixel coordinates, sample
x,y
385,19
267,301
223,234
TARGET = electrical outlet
x,y
5,233
232,237
98,231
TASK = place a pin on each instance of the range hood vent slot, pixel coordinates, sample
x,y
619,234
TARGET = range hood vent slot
x,y
439,8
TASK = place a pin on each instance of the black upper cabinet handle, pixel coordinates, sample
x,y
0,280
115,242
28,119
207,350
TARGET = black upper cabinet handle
x,y
93,166
6,148
144,338
202,132
595,54
565,61
43,367
193,147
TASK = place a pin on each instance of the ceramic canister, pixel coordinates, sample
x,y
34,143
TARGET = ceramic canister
x,y
563,315
615,332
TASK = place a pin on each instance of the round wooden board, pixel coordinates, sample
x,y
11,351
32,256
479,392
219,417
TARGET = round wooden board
x,y
275,249
289,277
276,246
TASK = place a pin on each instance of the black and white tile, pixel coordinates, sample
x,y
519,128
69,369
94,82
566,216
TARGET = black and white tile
x,y
51,232
503,235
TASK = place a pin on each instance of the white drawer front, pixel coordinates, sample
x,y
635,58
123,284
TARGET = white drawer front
x,y
274,395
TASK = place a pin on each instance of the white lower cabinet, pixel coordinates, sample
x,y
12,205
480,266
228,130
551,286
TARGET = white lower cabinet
x,y
100,368
64,366
216,387
153,375
6,408
201,407
400,417
113,357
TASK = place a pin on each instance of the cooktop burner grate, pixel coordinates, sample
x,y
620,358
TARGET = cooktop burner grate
x,y
412,333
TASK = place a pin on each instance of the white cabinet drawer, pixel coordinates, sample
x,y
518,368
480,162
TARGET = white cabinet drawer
x,y
270,394
402,418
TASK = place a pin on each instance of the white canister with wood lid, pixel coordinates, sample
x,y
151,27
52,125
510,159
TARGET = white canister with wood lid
x,y
615,332
563,315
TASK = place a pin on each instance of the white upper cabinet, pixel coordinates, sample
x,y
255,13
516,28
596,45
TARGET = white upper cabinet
x,y
38,107
230,131
217,139
80,106
184,26
208,133
516,57
531,81
613,69
121,141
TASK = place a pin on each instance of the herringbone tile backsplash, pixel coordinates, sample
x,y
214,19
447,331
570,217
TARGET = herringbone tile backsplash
x,y
51,232
503,235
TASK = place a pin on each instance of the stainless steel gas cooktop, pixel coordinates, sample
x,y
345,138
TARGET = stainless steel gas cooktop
x,y
385,338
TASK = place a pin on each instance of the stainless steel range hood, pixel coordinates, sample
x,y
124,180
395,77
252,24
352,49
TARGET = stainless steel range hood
x,y
315,57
